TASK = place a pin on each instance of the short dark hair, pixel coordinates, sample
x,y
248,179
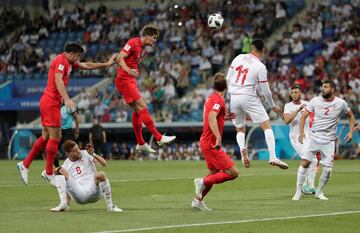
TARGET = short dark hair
x,y
219,82
330,82
73,47
68,145
258,44
150,30
296,86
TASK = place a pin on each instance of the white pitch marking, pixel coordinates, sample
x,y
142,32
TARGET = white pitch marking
x,y
146,180
230,222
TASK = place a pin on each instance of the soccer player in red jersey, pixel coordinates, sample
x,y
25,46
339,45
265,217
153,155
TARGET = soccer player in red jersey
x,y
125,82
221,167
50,105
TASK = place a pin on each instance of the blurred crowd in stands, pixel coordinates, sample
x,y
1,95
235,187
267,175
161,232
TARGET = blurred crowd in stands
x,y
174,76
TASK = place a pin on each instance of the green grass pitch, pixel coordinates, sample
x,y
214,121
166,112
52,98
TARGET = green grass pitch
x,y
156,197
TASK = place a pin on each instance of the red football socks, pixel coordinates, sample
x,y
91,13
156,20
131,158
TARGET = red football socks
x,y
37,148
146,118
217,178
51,151
137,125
207,189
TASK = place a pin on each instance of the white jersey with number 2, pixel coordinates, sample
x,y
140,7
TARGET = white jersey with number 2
x,y
326,116
244,74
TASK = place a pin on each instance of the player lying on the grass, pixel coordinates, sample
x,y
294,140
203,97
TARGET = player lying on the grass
x,y
327,110
292,114
50,104
221,167
78,179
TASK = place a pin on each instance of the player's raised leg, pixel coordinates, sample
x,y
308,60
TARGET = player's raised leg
x,y
270,141
140,107
240,138
37,148
239,123
105,188
51,151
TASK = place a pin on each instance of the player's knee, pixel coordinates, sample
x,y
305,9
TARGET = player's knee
x,y
305,163
62,171
234,173
100,176
327,172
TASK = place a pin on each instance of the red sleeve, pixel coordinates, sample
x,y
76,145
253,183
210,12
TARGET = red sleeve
x,y
60,67
75,66
215,105
129,46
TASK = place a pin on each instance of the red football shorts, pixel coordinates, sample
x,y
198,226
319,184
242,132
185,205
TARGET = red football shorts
x,y
216,159
50,112
128,89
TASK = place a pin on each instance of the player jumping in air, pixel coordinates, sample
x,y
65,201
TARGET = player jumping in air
x,y
50,105
125,82
78,179
292,114
327,110
221,167
245,75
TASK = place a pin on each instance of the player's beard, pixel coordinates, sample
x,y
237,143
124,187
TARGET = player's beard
x,y
326,95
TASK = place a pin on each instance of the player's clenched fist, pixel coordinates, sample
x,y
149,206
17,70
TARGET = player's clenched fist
x,y
89,148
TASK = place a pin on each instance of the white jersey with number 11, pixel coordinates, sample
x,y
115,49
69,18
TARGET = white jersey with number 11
x,y
244,74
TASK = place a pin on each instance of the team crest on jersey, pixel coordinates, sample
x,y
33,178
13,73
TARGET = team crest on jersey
x,y
61,67
127,47
216,106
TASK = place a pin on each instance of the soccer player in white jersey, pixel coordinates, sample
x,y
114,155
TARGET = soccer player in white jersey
x,y
327,110
78,179
246,74
292,114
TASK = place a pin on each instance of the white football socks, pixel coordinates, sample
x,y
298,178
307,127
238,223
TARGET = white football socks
x,y
106,191
324,178
301,175
61,188
312,173
240,138
270,141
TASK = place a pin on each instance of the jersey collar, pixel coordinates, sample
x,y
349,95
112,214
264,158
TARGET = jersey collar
x,y
253,54
329,100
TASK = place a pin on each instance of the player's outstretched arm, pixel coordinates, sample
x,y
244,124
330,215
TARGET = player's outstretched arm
x,y
97,65
348,137
302,125
288,118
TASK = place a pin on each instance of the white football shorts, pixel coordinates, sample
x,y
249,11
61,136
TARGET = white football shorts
x,y
243,105
83,194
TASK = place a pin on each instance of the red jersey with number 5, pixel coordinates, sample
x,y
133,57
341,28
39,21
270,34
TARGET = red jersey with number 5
x,y
215,102
133,48
245,72
59,65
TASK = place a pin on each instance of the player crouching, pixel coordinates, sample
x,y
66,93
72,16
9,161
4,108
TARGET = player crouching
x,y
78,179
